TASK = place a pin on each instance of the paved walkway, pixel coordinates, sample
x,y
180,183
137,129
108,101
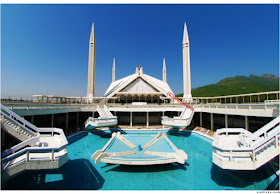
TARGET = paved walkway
x,y
205,131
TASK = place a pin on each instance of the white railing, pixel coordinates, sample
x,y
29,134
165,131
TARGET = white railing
x,y
234,152
183,120
17,120
238,106
46,106
8,156
100,111
29,150
261,133
100,121
251,144
108,111
272,102
144,106
47,132
19,146
176,120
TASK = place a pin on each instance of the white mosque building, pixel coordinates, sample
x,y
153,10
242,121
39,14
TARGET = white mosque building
x,y
139,87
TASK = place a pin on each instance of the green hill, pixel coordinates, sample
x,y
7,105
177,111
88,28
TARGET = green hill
x,y
238,85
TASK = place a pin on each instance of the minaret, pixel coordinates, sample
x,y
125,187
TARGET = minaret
x,y
91,65
164,71
114,71
186,65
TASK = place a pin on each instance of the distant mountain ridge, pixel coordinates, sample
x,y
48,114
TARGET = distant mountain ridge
x,y
238,85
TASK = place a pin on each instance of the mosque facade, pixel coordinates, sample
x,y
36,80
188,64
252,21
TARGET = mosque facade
x,y
139,87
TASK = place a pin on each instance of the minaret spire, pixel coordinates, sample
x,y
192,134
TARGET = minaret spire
x,y
91,65
186,65
164,71
114,71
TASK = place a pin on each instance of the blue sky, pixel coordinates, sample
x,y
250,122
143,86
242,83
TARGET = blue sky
x,y
44,48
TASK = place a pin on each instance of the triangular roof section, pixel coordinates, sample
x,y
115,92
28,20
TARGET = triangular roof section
x,y
139,86
164,87
116,84
152,83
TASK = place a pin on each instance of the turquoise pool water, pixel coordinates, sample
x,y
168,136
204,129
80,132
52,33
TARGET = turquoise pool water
x,y
198,173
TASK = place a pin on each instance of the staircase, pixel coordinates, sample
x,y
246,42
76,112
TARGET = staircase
x,y
13,124
104,120
238,149
183,120
40,148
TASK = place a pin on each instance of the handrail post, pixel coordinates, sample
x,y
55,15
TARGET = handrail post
x,y
52,155
230,155
253,156
27,156
276,140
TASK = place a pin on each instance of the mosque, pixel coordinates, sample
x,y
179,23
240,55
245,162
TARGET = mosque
x,y
139,87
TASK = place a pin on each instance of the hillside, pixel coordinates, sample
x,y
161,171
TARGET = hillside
x,y
238,85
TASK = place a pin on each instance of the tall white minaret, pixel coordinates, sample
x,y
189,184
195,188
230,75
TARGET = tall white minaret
x,y
91,65
186,64
114,71
164,71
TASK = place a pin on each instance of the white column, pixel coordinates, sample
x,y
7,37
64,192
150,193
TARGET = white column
x,y
200,119
246,123
131,119
147,119
212,121
226,121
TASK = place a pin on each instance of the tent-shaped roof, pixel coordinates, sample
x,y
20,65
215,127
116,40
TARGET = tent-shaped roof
x,y
138,83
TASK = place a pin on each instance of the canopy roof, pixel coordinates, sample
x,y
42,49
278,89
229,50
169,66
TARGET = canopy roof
x,y
138,84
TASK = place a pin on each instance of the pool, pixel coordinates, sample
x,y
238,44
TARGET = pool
x,y
199,173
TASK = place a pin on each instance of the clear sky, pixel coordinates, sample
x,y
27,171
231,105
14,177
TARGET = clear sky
x,y
44,48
